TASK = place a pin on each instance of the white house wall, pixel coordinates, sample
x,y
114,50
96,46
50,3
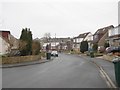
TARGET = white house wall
x,y
4,47
74,40
78,40
89,37
114,31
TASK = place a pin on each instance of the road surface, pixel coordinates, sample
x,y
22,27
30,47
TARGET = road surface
x,y
65,71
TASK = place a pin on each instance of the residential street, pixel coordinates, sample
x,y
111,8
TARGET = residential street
x,y
84,37
65,71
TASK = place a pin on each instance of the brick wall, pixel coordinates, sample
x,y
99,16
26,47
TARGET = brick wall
x,y
20,59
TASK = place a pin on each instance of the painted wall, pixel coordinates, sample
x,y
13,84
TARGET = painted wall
x,y
89,37
114,31
4,47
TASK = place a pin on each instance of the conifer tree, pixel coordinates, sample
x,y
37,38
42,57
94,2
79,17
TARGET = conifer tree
x,y
84,46
26,42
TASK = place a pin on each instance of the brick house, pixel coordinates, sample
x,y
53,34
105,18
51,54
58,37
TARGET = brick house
x,y
9,42
101,35
4,40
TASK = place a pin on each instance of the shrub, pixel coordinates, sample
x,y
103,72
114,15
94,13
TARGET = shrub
x,y
106,45
35,48
84,46
95,47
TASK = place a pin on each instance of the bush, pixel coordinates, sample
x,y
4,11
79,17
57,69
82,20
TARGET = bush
x,y
36,47
106,45
95,47
43,54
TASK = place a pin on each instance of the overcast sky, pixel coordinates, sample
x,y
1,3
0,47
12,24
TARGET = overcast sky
x,y
66,18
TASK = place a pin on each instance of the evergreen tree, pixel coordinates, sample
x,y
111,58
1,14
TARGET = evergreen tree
x,y
84,46
29,39
23,35
26,37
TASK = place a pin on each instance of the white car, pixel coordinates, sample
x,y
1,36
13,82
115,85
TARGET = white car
x,y
54,53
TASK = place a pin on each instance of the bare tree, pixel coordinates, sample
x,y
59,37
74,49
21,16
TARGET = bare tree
x,y
47,37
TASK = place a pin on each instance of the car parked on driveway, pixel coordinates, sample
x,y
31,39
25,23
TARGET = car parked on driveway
x,y
113,49
108,49
54,53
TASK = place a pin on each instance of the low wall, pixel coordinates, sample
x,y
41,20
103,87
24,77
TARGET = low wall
x,y
20,59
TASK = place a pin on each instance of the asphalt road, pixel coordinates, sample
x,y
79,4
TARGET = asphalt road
x,y
65,71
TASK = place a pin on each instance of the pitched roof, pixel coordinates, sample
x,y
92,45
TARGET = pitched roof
x,y
103,30
4,31
83,35
6,40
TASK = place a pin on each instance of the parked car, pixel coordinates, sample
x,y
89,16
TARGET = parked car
x,y
54,53
116,49
113,49
108,49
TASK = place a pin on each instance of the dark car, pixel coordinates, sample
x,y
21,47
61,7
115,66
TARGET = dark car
x,y
116,49
113,49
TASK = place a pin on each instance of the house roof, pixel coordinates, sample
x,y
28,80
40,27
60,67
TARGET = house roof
x,y
6,40
83,35
4,31
60,39
103,30
9,41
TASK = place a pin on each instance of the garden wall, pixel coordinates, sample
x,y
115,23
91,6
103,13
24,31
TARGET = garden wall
x,y
19,59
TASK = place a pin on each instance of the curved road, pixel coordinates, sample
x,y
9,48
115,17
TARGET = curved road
x,y
65,71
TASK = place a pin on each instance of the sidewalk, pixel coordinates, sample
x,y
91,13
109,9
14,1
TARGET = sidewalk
x,y
106,65
25,63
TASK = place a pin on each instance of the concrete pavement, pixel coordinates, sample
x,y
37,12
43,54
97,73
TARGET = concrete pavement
x,y
107,66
